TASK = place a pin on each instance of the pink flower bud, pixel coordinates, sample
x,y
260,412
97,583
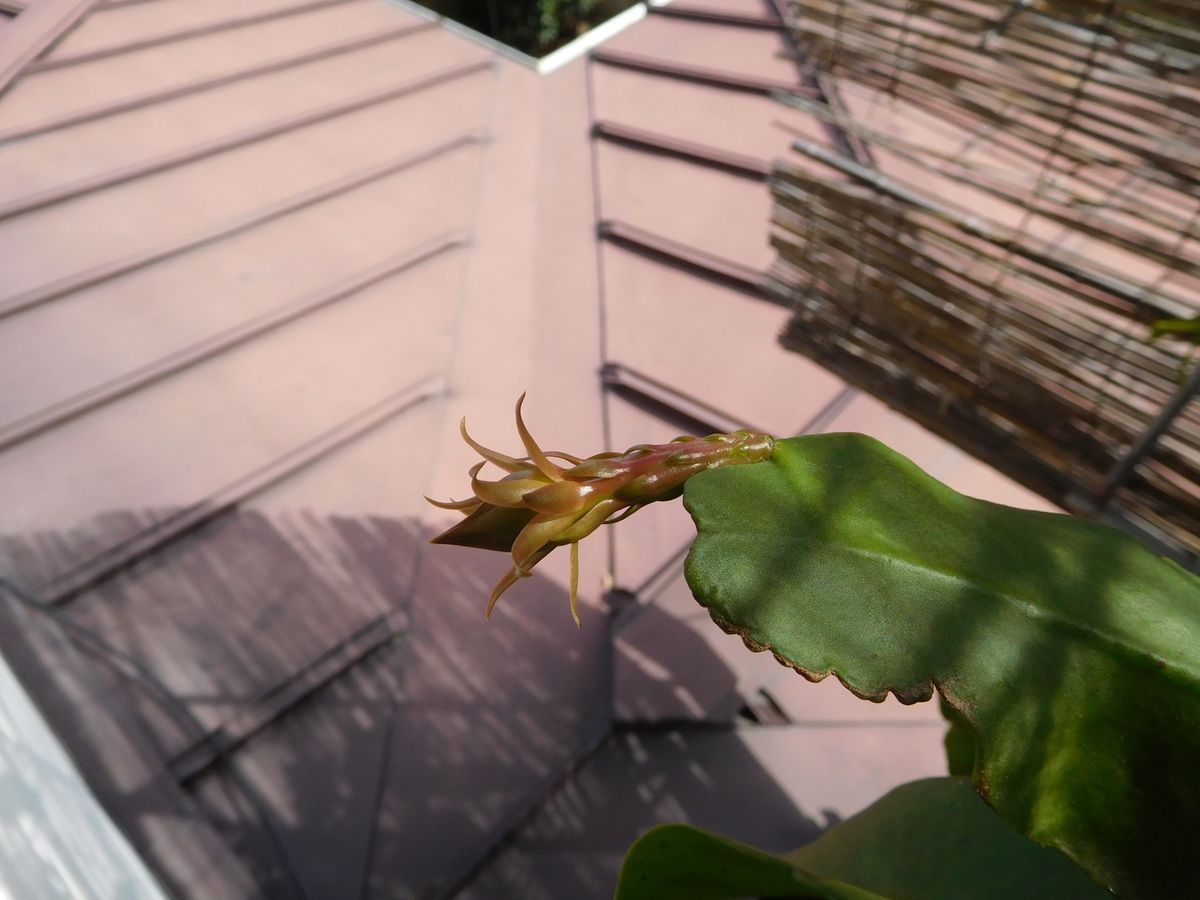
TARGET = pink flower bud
x,y
539,504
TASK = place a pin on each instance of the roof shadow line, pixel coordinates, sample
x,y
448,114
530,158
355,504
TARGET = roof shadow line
x,y
118,557
272,704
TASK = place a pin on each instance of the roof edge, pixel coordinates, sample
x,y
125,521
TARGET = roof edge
x,y
591,38
57,804
552,61
33,31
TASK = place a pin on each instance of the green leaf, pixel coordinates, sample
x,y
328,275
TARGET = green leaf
x,y
678,862
1184,329
936,840
1068,650
928,840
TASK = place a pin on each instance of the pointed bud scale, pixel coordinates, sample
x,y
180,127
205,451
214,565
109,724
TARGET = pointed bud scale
x,y
539,505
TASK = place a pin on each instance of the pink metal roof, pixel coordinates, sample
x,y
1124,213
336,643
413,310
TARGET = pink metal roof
x,y
257,260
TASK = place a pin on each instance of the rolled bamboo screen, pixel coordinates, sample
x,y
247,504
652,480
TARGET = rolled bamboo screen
x,y
1017,200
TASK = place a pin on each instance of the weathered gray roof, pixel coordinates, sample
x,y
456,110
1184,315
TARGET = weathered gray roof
x,y
258,258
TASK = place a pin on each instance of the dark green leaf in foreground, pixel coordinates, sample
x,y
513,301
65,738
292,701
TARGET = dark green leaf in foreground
x,y
1069,651
928,840
936,840
678,862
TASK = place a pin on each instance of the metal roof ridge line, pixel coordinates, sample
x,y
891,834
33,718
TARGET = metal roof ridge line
x,y
470,34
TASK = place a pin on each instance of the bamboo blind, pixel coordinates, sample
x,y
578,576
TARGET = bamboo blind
x,y
1023,205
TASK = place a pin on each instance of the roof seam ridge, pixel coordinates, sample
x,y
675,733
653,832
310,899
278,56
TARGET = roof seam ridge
x,y
719,78
700,262
46,65
111,561
707,16
285,696
710,418
691,151
329,190
32,32
214,345
255,134
151,98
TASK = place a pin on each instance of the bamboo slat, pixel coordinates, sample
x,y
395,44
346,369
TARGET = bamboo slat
x,y
995,274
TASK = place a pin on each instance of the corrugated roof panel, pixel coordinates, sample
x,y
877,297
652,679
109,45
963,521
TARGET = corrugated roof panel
x,y
223,419
41,95
657,679
636,184
238,120
689,331
743,51
411,763
113,28
180,305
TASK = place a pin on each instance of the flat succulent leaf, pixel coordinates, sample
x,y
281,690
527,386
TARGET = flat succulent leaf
x,y
678,862
935,839
1069,651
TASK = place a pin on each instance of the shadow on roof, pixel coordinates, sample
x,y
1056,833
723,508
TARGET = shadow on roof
x,y
319,710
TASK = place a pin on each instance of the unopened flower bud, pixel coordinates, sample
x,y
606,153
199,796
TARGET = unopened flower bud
x,y
539,504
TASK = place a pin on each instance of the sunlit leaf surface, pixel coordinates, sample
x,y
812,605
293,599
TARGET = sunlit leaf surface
x,y
1072,654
